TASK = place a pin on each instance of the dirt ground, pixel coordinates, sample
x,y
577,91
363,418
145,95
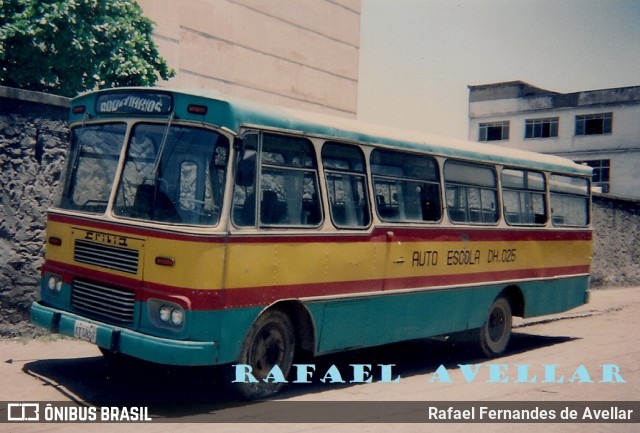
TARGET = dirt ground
x,y
577,344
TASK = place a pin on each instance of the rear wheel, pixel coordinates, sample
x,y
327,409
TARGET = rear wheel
x,y
270,342
496,331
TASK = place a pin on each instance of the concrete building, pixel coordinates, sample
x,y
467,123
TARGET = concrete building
x,y
301,54
600,128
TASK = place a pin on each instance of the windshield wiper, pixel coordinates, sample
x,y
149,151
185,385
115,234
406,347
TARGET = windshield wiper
x,y
156,164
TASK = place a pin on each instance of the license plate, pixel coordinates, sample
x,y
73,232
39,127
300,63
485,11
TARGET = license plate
x,y
85,331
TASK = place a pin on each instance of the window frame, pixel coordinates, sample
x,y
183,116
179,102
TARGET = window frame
x,y
487,129
78,156
460,184
158,201
425,186
550,123
279,211
582,127
525,198
354,173
569,191
601,176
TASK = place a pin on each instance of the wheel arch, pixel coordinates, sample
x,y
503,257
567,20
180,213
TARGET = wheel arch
x,y
513,294
303,324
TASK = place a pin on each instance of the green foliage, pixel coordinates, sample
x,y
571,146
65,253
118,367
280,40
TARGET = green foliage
x,y
69,46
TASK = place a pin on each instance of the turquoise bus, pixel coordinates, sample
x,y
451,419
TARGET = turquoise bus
x,y
196,229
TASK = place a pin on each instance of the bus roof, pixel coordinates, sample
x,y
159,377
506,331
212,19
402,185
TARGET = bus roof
x,y
234,113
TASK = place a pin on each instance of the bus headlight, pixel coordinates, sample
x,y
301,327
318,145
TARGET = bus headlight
x,y
165,314
177,317
54,284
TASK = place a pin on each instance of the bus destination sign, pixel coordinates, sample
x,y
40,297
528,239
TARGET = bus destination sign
x,y
134,103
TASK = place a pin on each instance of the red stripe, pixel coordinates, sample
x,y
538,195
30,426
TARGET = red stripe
x,y
487,234
265,295
378,234
129,229
260,296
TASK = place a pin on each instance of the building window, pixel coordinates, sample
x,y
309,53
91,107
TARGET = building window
x,y
594,124
494,131
601,172
541,128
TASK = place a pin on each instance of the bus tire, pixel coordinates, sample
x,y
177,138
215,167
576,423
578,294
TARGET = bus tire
x,y
496,331
270,341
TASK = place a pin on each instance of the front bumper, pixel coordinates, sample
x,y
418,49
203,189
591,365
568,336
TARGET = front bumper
x,y
126,341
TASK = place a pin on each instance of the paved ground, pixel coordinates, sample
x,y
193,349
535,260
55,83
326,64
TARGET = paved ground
x,y
578,343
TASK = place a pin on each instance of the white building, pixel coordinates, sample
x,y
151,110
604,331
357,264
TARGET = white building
x,y
598,127
301,54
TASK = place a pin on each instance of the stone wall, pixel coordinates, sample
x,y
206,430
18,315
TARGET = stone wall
x,y
33,137
616,247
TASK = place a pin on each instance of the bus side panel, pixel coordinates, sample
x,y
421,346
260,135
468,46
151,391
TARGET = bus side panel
x,y
235,325
554,296
380,320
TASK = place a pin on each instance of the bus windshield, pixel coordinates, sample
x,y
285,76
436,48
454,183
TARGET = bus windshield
x,y
94,154
171,173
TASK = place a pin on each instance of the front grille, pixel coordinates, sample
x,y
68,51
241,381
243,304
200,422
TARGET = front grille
x,y
106,256
102,301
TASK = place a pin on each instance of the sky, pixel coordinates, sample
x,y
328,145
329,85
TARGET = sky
x,y
418,57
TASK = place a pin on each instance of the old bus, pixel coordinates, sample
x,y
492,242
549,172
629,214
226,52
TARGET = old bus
x,y
194,229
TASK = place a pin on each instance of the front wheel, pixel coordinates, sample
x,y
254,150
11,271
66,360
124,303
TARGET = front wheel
x,y
270,342
496,331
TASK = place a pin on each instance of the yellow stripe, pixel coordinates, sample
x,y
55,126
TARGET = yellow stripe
x,y
276,264
201,265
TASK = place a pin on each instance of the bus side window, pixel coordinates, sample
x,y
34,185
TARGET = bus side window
x,y
472,193
569,197
407,186
346,181
289,182
285,182
523,197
